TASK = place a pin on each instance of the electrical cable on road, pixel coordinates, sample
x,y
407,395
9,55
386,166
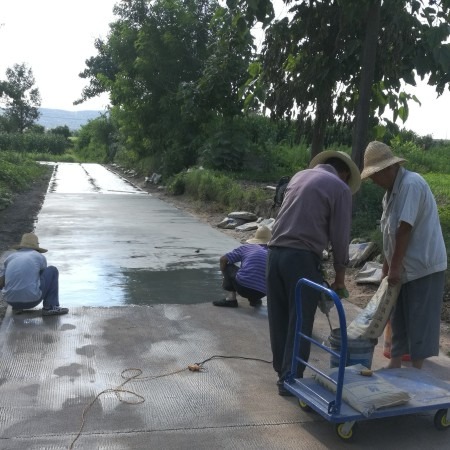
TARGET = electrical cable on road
x,y
195,367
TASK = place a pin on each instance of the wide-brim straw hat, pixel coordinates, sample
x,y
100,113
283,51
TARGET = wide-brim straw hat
x,y
377,157
354,183
30,240
262,236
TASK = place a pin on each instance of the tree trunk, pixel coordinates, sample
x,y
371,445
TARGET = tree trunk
x,y
360,130
320,122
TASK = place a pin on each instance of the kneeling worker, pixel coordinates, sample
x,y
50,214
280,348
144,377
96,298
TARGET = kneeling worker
x,y
27,281
248,280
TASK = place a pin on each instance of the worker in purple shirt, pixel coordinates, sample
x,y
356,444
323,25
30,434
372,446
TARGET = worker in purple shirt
x,y
249,279
315,213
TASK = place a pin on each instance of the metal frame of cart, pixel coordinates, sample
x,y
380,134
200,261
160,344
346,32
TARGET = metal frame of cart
x,y
428,393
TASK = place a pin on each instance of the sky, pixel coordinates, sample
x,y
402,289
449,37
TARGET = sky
x,y
55,37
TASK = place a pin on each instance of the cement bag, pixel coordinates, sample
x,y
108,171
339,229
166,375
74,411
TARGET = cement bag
x,y
360,252
363,393
370,322
371,273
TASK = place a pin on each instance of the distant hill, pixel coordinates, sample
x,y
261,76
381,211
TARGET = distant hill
x,y
51,118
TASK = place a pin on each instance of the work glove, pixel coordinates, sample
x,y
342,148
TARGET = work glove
x,y
342,292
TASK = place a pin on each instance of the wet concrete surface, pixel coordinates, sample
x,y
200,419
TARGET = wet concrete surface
x,y
114,244
117,379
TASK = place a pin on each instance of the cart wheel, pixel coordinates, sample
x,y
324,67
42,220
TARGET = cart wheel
x,y
340,432
440,420
304,406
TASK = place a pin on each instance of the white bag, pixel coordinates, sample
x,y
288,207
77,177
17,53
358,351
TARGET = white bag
x,y
365,394
370,322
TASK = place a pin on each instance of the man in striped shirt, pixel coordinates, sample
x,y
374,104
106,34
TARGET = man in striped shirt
x,y
249,279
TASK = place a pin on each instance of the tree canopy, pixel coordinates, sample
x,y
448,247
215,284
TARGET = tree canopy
x,y
20,97
181,73
153,52
313,62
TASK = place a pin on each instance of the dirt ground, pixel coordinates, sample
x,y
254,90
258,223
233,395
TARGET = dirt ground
x,y
20,218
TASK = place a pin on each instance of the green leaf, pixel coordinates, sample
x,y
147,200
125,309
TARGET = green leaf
x,y
409,78
403,113
248,101
254,69
241,25
415,6
379,132
416,100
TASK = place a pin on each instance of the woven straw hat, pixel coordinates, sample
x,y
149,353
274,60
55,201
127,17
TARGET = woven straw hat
x,y
30,240
377,157
262,236
354,182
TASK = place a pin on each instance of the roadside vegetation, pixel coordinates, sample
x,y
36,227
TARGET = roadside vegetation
x,y
17,172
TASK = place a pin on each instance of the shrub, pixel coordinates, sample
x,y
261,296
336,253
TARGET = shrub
x,y
34,143
17,171
177,185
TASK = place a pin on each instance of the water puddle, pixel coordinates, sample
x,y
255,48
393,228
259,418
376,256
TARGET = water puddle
x,y
140,287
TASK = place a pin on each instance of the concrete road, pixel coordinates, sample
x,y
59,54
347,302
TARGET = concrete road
x,y
114,244
117,378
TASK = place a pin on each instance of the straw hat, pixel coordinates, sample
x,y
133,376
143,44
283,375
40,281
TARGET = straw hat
x,y
30,240
377,157
354,182
262,236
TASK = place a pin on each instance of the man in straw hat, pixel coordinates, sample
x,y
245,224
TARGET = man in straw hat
x,y
248,280
316,211
414,254
27,280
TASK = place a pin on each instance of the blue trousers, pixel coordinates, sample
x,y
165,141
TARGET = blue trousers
x,y
49,285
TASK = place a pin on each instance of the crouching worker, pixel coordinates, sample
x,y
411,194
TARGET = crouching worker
x,y
27,281
248,280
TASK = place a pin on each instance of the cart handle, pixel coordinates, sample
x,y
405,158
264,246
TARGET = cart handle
x,y
335,406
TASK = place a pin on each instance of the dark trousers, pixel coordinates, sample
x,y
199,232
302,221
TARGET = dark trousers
x,y
49,285
285,266
229,283
416,317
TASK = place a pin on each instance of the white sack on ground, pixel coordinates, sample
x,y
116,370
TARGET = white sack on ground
x,y
360,252
370,273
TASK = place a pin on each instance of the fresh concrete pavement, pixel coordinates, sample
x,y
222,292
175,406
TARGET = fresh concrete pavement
x,y
113,373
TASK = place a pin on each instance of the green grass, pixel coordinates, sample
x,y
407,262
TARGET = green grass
x,y
221,190
17,171
66,157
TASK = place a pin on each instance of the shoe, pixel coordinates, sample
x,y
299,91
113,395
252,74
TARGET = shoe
x,y
225,302
255,303
54,311
282,390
